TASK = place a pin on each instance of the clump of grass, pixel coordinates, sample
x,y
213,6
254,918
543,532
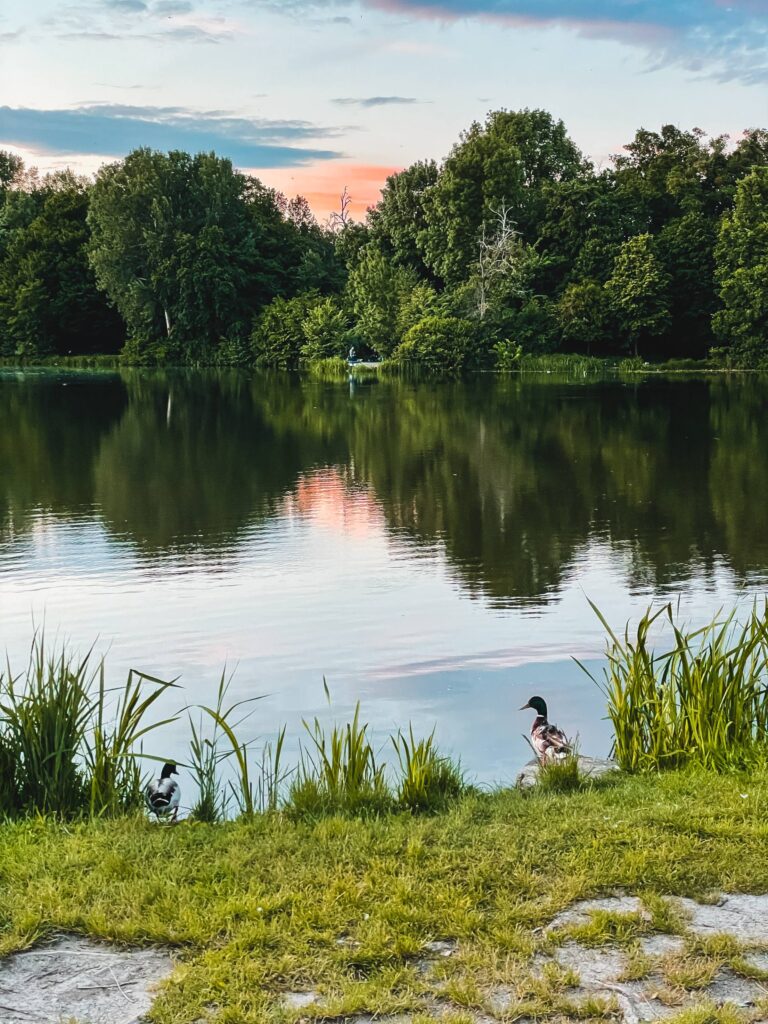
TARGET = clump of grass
x,y
637,964
428,780
703,701
560,776
565,363
691,972
46,714
606,927
339,773
65,750
204,764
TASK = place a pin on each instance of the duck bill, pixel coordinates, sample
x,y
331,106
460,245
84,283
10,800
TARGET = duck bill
x,y
525,707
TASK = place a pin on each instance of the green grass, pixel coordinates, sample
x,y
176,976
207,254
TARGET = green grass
x,y
568,363
346,906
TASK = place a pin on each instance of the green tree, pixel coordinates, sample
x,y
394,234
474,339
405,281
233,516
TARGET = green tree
x,y
685,246
638,291
398,221
325,329
278,336
49,302
742,273
583,317
11,170
509,160
376,291
185,247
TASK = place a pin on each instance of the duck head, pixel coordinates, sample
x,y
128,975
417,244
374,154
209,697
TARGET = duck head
x,y
536,704
169,768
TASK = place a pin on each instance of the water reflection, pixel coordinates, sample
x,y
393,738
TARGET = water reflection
x,y
428,547
511,477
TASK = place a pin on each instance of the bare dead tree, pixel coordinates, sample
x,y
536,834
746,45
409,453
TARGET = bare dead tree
x,y
339,219
499,255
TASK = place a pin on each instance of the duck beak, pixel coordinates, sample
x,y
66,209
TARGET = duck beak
x,y
524,707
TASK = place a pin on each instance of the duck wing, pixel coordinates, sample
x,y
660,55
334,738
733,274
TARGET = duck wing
x,y
163,795
549,741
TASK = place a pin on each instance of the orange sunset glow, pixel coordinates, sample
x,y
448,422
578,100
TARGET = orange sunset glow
x,y
322,184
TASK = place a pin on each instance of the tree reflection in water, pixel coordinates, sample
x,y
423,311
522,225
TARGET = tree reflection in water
x,y
514,477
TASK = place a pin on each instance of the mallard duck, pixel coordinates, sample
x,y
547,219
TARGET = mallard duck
x,y
163,794
549,742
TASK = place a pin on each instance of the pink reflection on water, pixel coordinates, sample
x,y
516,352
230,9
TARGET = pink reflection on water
x,y
325,498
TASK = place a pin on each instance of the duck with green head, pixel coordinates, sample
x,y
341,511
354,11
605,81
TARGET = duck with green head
x,y
549,742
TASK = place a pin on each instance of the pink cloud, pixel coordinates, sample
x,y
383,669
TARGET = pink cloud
x,y
595,28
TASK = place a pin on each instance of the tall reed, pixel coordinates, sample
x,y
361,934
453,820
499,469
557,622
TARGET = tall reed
x,y
271,774
62,750
110,744
703,700
46,713
242,787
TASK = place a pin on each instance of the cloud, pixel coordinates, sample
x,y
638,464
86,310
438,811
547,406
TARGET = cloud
x,y
375,101
112,130
154,21
168,8
127,6
725,39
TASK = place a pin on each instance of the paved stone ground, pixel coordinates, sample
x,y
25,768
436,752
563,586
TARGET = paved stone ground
x,y
602,971
72,979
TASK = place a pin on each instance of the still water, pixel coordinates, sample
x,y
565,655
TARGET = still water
x,y
427,548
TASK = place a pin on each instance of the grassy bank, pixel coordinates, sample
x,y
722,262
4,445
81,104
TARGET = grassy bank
x,y
346,907
95,362
337,368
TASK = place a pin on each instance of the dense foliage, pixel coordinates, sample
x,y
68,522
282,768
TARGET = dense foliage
x,y
515,236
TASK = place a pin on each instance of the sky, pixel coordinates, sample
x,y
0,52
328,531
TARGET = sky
x,y
315,95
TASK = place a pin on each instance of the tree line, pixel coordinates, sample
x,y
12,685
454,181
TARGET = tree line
x,y
514,244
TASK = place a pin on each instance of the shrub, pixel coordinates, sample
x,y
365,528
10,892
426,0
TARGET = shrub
x,y
278,335
508,354
325,331
440,344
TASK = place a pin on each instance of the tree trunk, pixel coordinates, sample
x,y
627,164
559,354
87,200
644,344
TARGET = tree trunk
x,y
168,327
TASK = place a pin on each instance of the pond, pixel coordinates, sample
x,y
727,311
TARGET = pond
x,y
428,548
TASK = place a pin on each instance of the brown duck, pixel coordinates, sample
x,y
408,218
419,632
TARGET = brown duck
x,y
549,742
